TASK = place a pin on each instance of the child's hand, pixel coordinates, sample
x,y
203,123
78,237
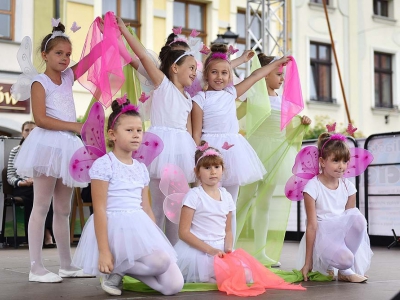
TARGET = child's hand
x,y
106,262
228,249
247,55
218,252
121,23
283,61
306,268
305,120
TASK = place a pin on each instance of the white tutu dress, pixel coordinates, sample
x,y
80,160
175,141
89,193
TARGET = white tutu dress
x,y
208,224
220,126
333,224
131,232
169,114
48,152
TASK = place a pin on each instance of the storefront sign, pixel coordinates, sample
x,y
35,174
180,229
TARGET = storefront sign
x,y
9,105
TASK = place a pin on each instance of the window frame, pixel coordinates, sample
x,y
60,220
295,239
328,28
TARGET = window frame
x,y
11,13
317,62
378,70
132,23
375,8
186,30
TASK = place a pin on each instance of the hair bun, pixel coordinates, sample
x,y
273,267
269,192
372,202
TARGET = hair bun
x,y
60,27
116,107
219,48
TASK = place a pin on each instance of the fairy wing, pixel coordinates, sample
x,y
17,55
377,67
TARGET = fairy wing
x,y
174,186
294,188
21,90
150,148
92,134
359,161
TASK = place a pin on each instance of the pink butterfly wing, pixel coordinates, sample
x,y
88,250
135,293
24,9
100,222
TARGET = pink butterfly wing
x,y
82,160
92,132
306,164
359,161
294,188
172,207
150,148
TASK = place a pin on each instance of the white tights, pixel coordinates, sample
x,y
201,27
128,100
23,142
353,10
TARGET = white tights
x,y
157,201
234,191
158,272
44,189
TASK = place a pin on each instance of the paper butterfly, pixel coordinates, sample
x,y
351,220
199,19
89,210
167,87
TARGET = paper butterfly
x,y
143,97
306,166
232,50
205,50
177,30
55,22
331,128
92,134
194,33
350,129
75,27
226,146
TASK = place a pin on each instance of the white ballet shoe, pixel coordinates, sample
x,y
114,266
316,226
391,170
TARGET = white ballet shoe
x,y
49,277
111,284
354,278
76,274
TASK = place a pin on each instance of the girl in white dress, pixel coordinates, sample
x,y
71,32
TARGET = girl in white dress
x,y
170,118
336,234
121,236
214,120
46,153
205,223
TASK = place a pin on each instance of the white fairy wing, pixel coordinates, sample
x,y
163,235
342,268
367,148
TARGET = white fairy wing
x,y
21,90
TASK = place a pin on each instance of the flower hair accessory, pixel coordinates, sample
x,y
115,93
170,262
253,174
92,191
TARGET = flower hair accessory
x,y
209,152
125,108
195,45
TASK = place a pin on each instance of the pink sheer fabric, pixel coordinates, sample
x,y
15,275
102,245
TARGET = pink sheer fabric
x,y
292,99
104,76
236,268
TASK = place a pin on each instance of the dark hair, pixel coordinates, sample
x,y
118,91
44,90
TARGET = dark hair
x,y
216,48
171,38
212,160
337,148
116,109
22,129
265,59
51,43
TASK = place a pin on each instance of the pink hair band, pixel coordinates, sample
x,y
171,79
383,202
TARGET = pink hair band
x,y
337,137
209,152
126,108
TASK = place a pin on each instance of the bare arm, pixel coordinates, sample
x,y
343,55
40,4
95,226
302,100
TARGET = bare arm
x,y
197,123
146,203
248,82
228,234
99,190
38,98
241,110
155,74
351,202
312,224
189,238
189,124
244,58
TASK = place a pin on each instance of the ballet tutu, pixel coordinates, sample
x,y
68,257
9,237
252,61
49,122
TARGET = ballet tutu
x,y
195,265
48,152
330,238
242,165
131,235
179,150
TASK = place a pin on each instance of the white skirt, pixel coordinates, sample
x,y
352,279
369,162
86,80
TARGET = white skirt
x,y
195,265
330,235
131,235
48,152
242,165
179,149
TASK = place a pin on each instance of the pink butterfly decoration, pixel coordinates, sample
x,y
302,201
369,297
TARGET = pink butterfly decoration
x,y
143,97
203,148
205,50
194,33
350,129
92,134
55,22
177,30
75,27
306,166
226,146
122,100
331,128
232,50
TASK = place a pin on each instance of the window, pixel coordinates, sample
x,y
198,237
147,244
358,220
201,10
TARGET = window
x,y
381,8
320,1
321,72
128,10
383,80
197,20
7,10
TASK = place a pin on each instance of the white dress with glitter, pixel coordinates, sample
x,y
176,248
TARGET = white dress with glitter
x,y
131,232
48,152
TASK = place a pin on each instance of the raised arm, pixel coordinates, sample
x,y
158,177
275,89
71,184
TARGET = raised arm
x,y
248,82
244,58
155,74
197,123
311,231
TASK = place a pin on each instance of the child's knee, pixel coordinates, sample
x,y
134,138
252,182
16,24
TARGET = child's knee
x,y
161,261
174,287
359,223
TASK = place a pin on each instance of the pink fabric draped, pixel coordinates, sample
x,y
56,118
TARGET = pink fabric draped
x,y
292,98
234,269
102,73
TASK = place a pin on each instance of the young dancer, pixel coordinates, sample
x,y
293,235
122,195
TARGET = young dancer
x,y
46,153
214,120
205,223
277,150
170,118
121,236
336,234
